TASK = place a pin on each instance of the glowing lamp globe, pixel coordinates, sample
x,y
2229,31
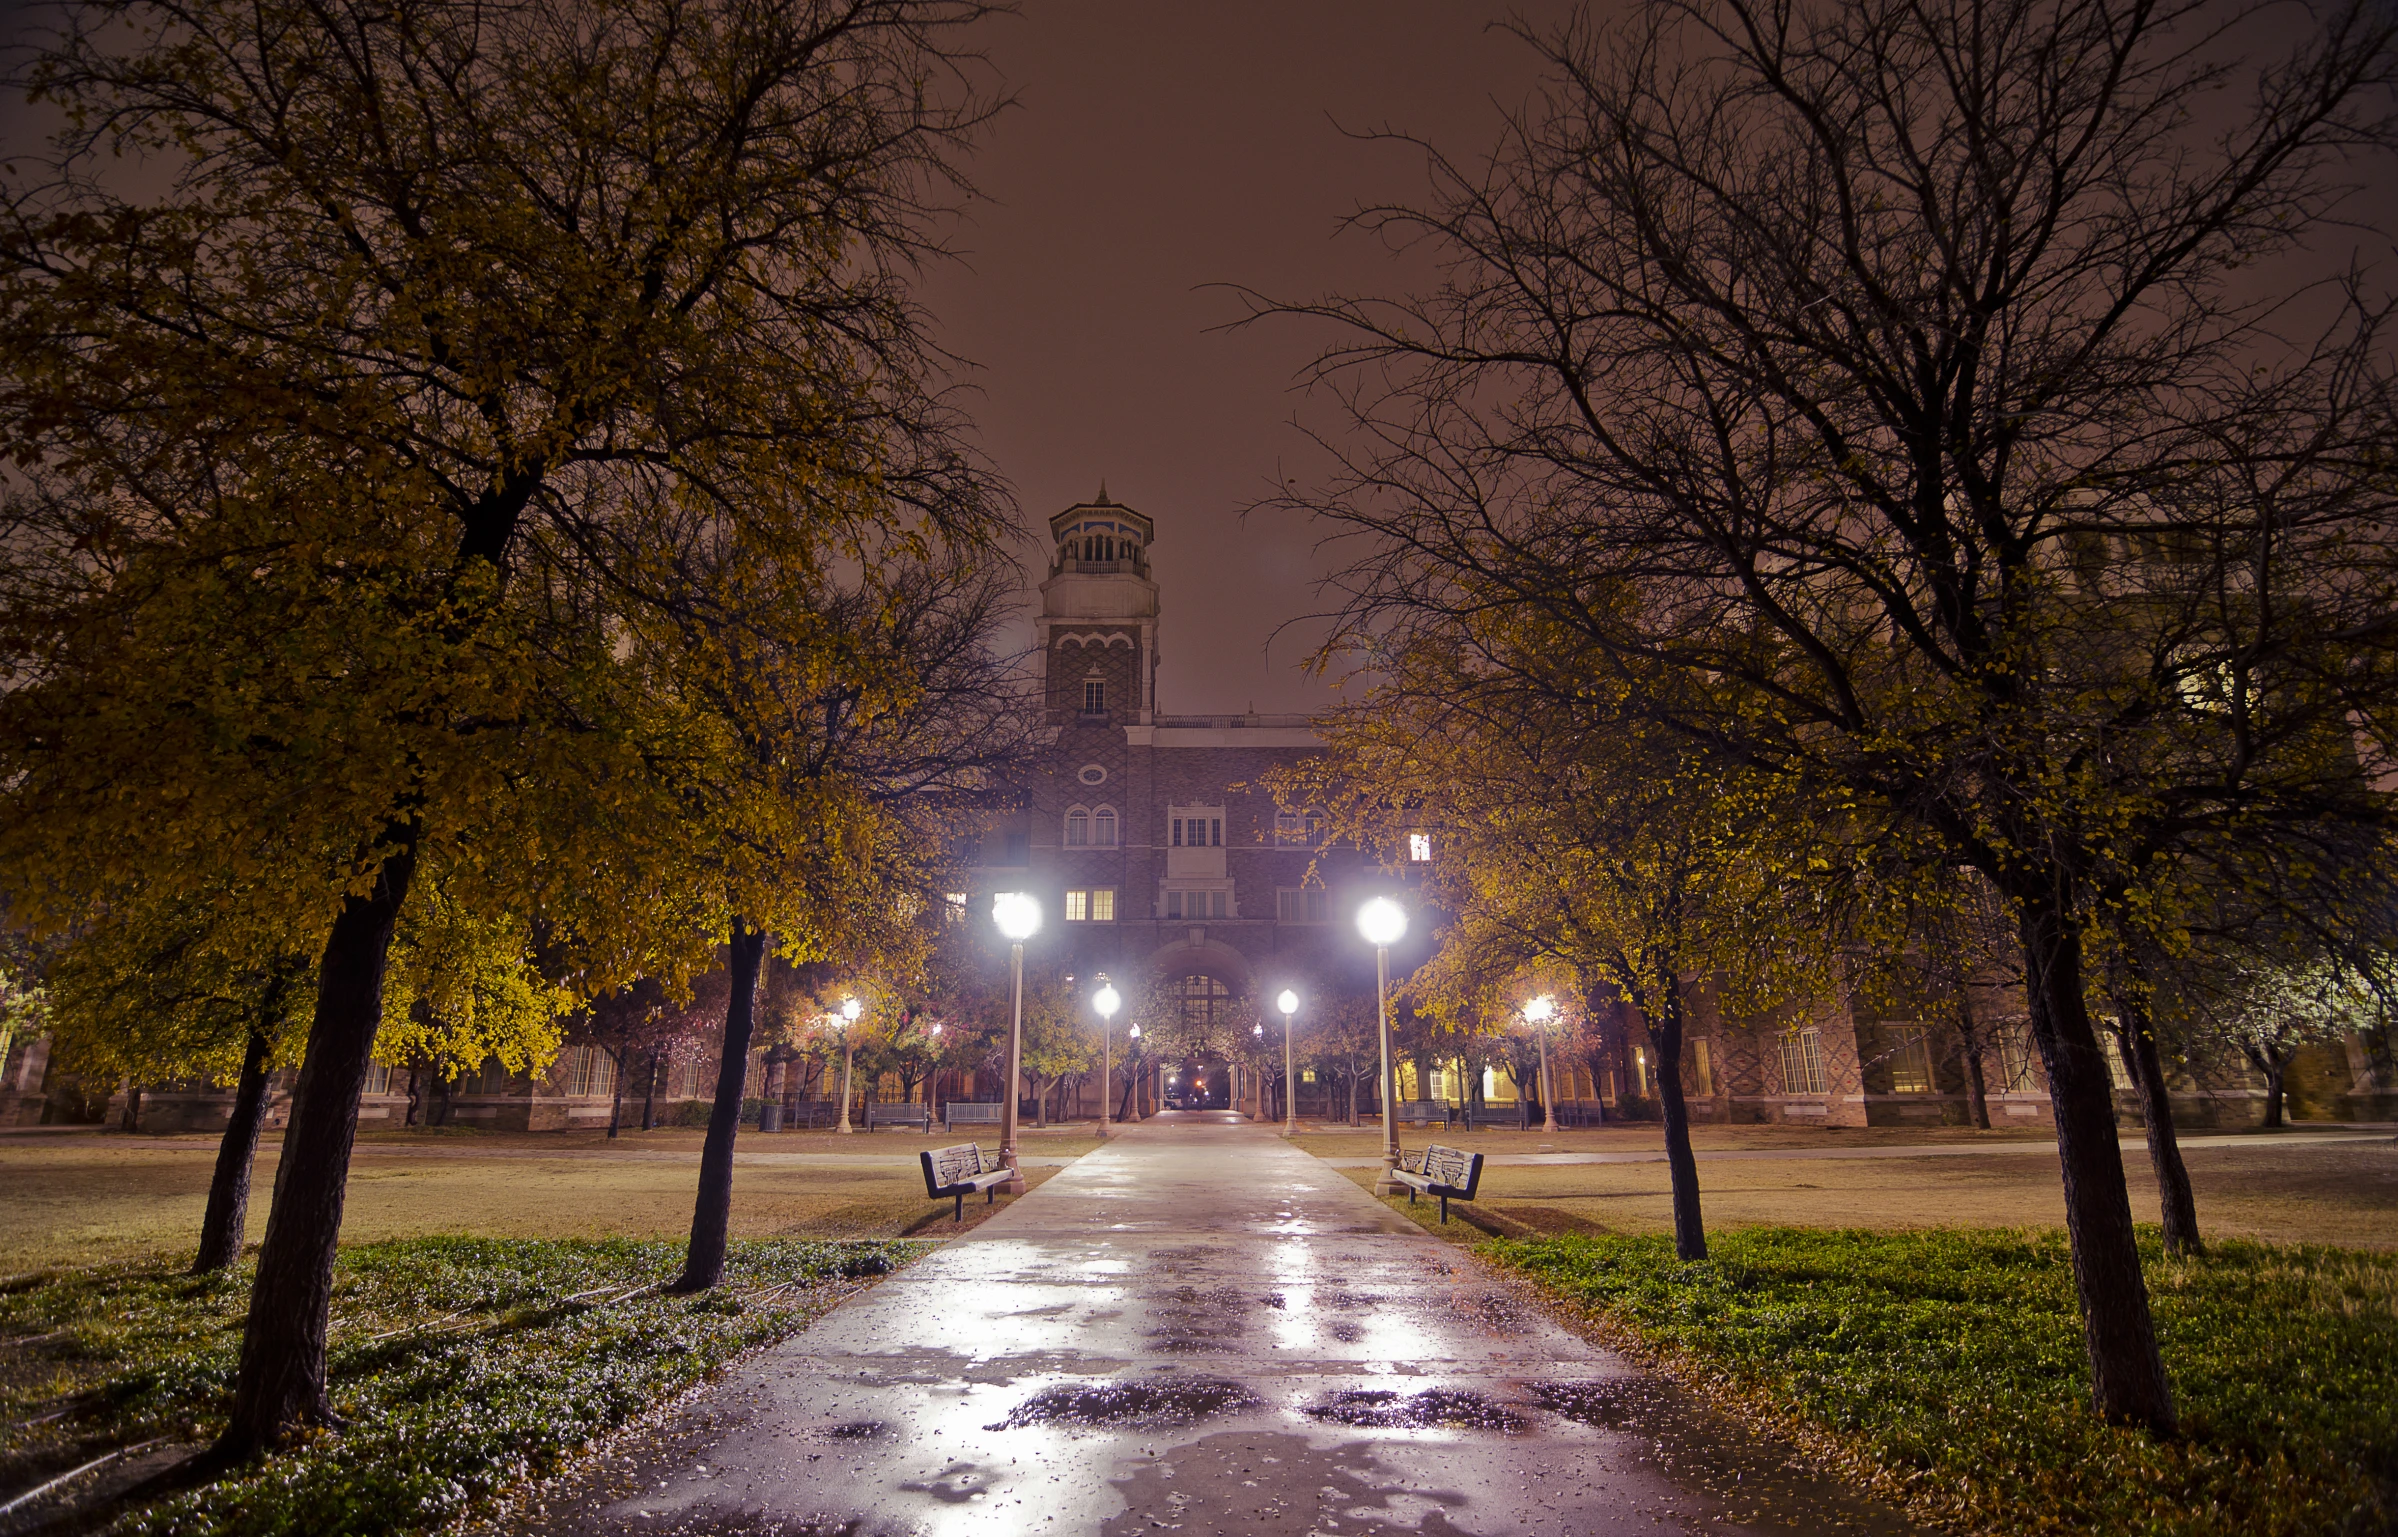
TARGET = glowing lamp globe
x,y
1107,1001
1134,1032
1540,1010
1017,913
1288,1002
1383,922
851,1009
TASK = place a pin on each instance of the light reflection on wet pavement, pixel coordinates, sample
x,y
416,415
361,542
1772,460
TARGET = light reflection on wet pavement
x,y
1196,1329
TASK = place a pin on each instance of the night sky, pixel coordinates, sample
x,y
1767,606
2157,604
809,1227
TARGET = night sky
x,y
1157,149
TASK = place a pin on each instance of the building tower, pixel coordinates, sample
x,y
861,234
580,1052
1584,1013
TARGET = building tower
x,y
1098,623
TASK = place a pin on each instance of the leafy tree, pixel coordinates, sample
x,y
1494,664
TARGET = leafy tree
x,y
1337,1034
1642,867
162,991
361,470
1897,362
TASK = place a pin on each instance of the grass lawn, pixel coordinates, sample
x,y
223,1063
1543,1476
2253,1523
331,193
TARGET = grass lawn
x,y
1947,1367
82,1200
462,1366
2298,1189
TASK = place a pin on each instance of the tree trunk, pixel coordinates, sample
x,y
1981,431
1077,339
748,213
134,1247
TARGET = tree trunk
x,y
1040,1103
2274,1067
440,1115
712,1213
222,1229
615,1095
1132,1083
131,1120
1665,1032
2135,1030
1977,1086
416,1096
281,1384
2127,1376
649,1094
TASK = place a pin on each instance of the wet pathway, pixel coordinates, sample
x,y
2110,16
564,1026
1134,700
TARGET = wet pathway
x,y
1196,1329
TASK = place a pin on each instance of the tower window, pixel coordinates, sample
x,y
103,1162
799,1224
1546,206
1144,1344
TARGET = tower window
x,y
1094,697
1078,828
1103,828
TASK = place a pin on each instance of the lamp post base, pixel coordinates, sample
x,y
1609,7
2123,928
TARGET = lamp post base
x,y
1386,1183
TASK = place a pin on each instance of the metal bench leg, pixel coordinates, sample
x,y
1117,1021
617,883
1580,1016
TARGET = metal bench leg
x,y
1444,1209
958,1211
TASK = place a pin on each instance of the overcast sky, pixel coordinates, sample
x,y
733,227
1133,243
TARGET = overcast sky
x,y
1160,148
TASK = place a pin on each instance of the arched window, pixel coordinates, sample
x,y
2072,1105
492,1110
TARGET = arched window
x,y
1078,828
1103,827
1204,1000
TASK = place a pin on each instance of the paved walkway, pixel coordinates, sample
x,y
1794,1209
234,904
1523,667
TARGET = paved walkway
x,y
1197,1329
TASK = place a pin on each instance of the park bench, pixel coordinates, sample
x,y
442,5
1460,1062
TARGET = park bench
x,y
1447,1172
958,1172
1422,1112
899,1115
957,1112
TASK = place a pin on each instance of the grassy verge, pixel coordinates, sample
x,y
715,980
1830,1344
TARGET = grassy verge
x,y
461,1366
1948,1366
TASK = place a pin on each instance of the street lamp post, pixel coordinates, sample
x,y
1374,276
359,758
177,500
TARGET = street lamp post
x,y
1018,915
1257,1080
1133,1037
1383,923
1540,1011
1289,1004
1107,1000
850,1009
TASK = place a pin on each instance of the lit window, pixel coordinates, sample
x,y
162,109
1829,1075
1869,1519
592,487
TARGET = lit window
x,y
378,1078
1078,828
1094,697
1911,1061
1703,1070
953,907
589,1070
1078,906
1802,1063
1103,828
1419,847
1103,905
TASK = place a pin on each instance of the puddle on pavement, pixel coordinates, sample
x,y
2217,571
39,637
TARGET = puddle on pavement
x,y
1272,1485
854,1430
1433,1408
1141,1405
1751,1478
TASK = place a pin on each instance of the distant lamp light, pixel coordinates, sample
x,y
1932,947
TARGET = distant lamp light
x,y
1541,1010
1288,1002
1018,914
1134,1032
851,1009
1383,922
1257,1030
1107,1000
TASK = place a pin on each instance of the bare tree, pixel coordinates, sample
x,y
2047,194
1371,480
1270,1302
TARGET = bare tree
x,y
1882,365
